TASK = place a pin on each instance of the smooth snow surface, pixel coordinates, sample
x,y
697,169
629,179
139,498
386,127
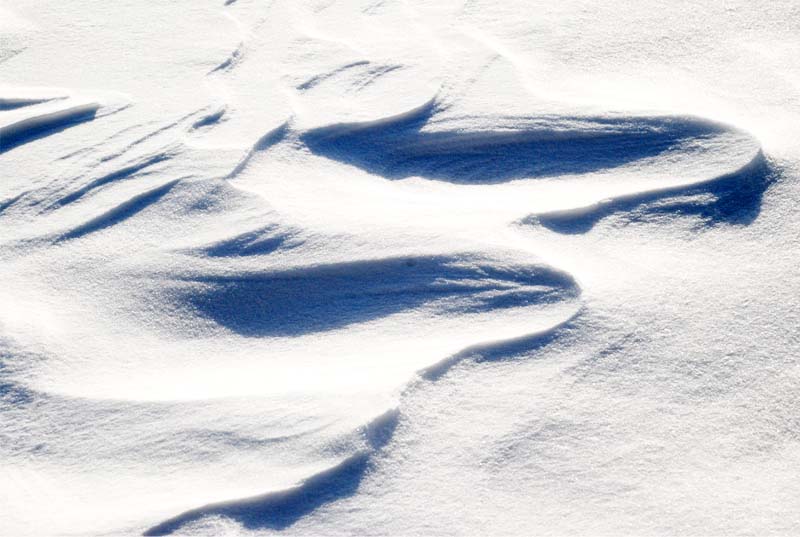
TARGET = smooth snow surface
x,y
395,267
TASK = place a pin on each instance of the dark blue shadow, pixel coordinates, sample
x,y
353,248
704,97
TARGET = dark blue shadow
x,y
261,241
117,175
20,137
535,147
279,510
318,298
730,199
503,350
121,212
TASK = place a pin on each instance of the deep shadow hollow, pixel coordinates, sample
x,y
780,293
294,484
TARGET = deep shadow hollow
x,y
326,297
526,148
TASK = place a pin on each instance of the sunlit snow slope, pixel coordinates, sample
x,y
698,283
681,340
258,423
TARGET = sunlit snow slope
x,y
399,267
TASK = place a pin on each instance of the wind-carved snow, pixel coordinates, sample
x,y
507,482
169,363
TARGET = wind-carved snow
x,y
213,307
20,126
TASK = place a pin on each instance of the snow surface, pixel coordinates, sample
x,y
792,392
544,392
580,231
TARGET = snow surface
x,y
399,267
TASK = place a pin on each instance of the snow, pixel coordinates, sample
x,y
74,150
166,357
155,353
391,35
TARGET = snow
x,y
398,267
